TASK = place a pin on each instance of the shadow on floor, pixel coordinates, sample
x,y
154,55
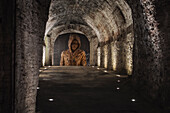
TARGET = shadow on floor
x,y
87,90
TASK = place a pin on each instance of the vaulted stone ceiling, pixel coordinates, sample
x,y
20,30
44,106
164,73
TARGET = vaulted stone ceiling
x,y
102,18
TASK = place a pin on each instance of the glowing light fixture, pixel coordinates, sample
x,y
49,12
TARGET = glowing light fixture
x,y
43,58
105,71
133,100
93,66
38,87
98,68
117,88
118,80
118,75
51,100
40,70
99,56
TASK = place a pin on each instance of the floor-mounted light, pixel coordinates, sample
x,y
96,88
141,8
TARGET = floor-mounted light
x,y
117,88
133,100
105,71
40,70
51,100
118,75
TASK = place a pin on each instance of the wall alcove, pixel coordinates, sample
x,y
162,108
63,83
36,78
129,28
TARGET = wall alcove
x,y
61,44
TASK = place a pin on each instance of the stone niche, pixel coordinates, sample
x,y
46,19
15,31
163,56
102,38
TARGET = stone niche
x,y
61,44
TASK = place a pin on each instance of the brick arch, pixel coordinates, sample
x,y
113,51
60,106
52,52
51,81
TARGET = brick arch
x,y
82,29
87,31
104,11
144,46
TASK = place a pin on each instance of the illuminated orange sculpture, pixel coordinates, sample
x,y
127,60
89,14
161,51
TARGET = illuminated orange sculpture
x,y
74,56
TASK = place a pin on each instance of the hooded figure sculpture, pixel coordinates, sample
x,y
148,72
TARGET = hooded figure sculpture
x,y
74,56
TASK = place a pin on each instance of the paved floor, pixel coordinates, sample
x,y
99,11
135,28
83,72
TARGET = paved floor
x,y
88,90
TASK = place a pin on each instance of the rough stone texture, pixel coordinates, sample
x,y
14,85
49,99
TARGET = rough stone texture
x,y
48,57
163,18
149,69
128,51
30,26
60,30
103,17
7,48
118,54
102,56
93,51
118,59
111,21
109,65
105,56
144,65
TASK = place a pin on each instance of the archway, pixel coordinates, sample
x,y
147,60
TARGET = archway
x,y
30,39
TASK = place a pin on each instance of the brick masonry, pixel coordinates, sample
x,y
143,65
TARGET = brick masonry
x,y
140,27
151,51
31,17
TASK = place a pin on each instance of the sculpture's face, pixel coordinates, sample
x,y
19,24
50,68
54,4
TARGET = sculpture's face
x,y
74,45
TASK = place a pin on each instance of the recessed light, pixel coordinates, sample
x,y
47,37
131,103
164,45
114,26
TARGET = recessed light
x,y
117,88
51,100
38,87
118,75
105,70
118,80
133,100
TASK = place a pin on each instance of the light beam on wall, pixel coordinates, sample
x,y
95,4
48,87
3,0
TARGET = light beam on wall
x,y
99,56
114,56
105,55
129,50
43,57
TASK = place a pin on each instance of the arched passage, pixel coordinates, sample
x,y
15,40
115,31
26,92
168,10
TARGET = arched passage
x,y
61,44
53,34
108,21
110,32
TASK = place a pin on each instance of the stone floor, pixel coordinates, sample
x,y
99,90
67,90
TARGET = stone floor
x,y
88,90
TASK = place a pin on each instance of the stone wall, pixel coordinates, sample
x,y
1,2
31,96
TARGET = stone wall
x,y
117,54
151,51
111,22
163,19
31,17
93,51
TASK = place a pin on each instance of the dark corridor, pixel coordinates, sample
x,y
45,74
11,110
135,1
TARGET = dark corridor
x,y
77,89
